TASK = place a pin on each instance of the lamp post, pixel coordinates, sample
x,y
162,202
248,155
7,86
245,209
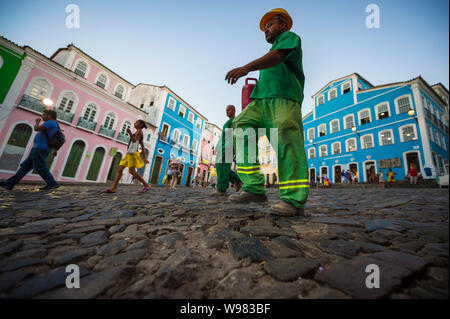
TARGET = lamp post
x,y
411,113
47,102
354,130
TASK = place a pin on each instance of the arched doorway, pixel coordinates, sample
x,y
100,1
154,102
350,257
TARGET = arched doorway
x,y
353,167
337,174
369,171
180,180
15,148
189,176
74,159
156,170
312,175
96,164
114,165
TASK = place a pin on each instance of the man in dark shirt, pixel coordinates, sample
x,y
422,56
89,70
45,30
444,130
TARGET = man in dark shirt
x,y
38,153
276,104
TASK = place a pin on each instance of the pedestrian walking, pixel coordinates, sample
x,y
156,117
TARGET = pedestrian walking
x,y
381,179
132,159
277,99
349,176
413,174
39,152
391,176
224,173
176,175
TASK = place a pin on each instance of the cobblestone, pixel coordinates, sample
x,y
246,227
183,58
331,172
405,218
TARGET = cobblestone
x,y
188,244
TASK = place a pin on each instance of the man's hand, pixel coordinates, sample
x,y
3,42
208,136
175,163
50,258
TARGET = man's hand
x,y
235,74
129,131
54,153
37,121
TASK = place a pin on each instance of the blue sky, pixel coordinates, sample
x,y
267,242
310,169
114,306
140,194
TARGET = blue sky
x,y
190,45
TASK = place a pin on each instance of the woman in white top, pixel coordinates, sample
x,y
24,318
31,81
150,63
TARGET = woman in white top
x,y
132,159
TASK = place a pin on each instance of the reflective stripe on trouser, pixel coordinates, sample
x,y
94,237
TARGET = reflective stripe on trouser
x,y
224,176
284,115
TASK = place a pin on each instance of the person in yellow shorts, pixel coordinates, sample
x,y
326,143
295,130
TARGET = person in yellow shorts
x,y
391,176
276,106
132,159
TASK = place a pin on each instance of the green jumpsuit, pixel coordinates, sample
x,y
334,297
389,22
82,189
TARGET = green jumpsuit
x,y
224,173
276,104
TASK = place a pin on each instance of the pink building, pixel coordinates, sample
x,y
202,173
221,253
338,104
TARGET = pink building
x,y
93,112
210,137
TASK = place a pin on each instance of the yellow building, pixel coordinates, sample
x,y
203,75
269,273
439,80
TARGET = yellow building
x,y
268,161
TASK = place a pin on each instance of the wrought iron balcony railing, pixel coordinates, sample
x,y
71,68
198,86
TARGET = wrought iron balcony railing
x,y
106,131
64,116
164,138
90,125
124,137
32,103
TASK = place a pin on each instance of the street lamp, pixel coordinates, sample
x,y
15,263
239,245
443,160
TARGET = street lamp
x,y
411,113
354,130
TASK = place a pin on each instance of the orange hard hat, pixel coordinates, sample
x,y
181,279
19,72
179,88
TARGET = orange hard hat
x,y
272,13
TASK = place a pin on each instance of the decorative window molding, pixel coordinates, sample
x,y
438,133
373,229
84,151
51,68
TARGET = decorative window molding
x,y
323,150
367,141
119,91
191,117
67,102
320,100
403,104
322,130
199,123
312,153
346,87
386,137
110,120
382,110
350,145
334,126
82,68
102,80
91,112
171,103
349,121
182,111
310,133
336,148
408,133
364,117
332,94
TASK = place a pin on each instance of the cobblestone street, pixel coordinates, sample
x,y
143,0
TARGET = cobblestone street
x,y
187,244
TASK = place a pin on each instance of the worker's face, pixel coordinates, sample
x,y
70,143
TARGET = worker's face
x,y
273,29
231,111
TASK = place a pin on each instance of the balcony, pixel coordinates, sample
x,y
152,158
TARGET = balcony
x,y
107,132
32,103
124,137
194,152
428,114
441,125
435,120
64,116
90,125
164,138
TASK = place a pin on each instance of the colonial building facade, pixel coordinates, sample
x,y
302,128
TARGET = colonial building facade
x,y
207,159
364,128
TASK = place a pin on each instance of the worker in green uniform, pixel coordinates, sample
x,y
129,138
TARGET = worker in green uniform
x,y
276,104
224,173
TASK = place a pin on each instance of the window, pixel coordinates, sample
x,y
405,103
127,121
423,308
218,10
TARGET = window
x,y
171,104
89,113
101,81
349,121
199,123
39,89
119,91
194,145
142,104
164,132
424,102
430,107
430,133
311,134
346,87
191,117
312,153
323,151
149,136
437,139
81,69
332,94
181,111
364,116
382,111
320,100
407,133
109,121
334,126
186,139
67,102
350,145
176,136
366,141
402,104
443,143
15,148
336,148
359,86
126,125
322,130
386,137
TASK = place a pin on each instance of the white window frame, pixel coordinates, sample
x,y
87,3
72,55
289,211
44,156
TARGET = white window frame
x,y
347,146
338,126
199,123
188,140
177,141
343,84
62,95
329,94
124,122
116,88
88,67
430,132
107,80
362,141
401,132
174,103
318,129
443,142
313,133
438,138
181,109
309,152
332,148
32,83
318,99
396,103
326,150
169,127
191,117
97,111
194,147
380,140
377,112
116,120
359,116
345,122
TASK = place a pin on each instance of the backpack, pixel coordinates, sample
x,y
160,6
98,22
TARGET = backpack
x,y
57,140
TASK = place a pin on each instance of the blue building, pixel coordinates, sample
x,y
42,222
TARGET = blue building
x,y
179,137
365,128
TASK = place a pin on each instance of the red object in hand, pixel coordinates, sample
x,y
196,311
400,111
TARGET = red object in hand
x,y
247,91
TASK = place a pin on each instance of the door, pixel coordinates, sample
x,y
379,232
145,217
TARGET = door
x,y
274,178
324,172
74,159
96,164
337,174
182,172
412,158
354,168
156,170
369,168
114,165
312,175
189,176
15,148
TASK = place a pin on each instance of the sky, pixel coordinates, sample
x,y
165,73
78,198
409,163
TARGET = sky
x,y
189,46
